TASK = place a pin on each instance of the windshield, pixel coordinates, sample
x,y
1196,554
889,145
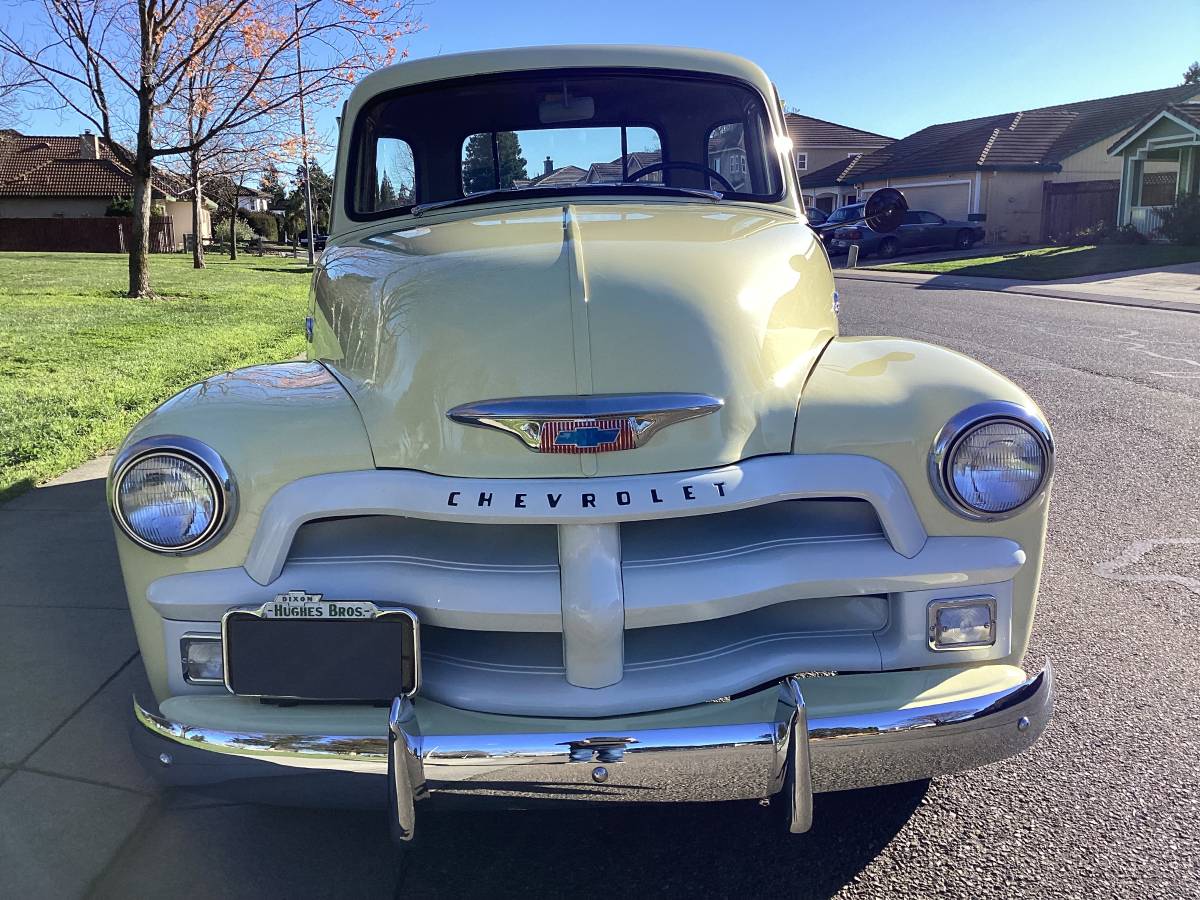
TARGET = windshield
x,y
843,213
566,132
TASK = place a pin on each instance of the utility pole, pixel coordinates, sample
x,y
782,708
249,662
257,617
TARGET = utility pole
x,y
308,207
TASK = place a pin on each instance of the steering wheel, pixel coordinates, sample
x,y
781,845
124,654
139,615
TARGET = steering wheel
x,y
680,164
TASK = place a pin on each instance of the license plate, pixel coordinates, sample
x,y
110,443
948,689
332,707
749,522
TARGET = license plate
x,y
301,646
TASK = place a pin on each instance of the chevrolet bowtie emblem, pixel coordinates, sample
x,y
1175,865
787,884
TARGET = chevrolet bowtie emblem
x,y
596,423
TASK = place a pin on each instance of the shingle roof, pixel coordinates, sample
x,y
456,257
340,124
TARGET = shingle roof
x,y
1189,112
805,131
1032,140
51,166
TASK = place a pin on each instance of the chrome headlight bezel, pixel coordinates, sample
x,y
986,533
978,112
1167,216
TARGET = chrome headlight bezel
x,y
210,464
963,424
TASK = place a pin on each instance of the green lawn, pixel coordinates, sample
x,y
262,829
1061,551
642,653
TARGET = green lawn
x,y
1049,263
80,363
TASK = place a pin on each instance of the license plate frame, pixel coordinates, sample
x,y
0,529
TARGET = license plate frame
x,y
301,647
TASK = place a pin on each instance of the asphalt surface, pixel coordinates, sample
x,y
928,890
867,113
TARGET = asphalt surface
x,y
1105,805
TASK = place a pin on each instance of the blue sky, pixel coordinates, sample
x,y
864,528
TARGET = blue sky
x,y
889,67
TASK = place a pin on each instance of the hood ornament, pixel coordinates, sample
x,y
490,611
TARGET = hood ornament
x,y
594,423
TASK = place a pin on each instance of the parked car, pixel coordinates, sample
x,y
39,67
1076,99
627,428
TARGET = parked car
x,y
922,230
816,217
319,241
850,213
575,479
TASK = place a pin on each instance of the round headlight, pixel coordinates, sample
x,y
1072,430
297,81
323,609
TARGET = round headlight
x,y
991,460
168,498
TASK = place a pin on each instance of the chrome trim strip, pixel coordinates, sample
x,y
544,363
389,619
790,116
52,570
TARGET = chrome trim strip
x,y
551,501
210,463
524,417
847,751
257,610
963,422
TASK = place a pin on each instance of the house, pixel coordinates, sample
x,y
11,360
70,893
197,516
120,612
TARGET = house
x,y
821,151
1160,163
1030,175
253,200
55,177
833,185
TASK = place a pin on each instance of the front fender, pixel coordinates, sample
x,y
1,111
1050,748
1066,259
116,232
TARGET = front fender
x,y
887,398
272,424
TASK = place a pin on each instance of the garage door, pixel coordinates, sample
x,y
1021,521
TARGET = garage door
x,y
950,201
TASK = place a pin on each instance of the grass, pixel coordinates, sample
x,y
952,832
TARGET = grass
x,y
1051,263
80,363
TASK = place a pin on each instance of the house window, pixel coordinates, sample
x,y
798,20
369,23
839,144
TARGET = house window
x,y
801,161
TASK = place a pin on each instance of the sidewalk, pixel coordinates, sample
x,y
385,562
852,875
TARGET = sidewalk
x,y
1168,287
71,791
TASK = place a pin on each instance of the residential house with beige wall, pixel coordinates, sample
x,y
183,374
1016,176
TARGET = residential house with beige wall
x,y
1027,176
825,147
77,177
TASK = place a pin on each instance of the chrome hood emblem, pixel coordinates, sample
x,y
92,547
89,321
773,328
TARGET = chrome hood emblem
x,y
596,423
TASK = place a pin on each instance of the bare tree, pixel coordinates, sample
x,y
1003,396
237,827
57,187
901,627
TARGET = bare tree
x,y
16,79
127,66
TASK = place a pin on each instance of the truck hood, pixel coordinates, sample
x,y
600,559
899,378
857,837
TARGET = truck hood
x,y
727,300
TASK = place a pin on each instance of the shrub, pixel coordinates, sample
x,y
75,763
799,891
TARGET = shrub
x,y
120,206
221,232
265,225
1100,233
1181,222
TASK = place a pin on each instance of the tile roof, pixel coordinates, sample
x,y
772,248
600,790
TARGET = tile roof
x,y
805,131
1031,140
833,174
563,175
51,166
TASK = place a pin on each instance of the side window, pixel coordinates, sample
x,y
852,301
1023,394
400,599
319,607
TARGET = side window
x,y
928,218
801,161
727,155
911,218
395,175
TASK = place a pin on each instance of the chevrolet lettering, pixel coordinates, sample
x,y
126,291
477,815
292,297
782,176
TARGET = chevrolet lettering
x,y
579,494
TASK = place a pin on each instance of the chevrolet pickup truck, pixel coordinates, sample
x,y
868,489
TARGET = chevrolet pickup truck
x,y
579,494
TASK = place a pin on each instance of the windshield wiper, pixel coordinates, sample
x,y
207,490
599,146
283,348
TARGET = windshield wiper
x,y
491,193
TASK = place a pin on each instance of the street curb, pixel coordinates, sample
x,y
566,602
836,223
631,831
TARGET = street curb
x,y
1008,286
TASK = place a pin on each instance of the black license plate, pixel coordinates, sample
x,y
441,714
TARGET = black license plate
x,y
373,656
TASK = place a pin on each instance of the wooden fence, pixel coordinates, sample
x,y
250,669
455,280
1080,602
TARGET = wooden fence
x,y
1069,207
109,234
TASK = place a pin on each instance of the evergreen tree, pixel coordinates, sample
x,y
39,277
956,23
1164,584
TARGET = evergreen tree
x,y
1192,74
387,194
271,183
478,169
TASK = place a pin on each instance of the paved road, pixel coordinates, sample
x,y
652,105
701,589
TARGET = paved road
x,y
1105,805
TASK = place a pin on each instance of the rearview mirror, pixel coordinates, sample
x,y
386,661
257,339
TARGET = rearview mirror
x,y
885,210
563,108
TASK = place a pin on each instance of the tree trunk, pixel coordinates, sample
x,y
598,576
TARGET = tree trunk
x,y
139,245
197,202
233,232
143,170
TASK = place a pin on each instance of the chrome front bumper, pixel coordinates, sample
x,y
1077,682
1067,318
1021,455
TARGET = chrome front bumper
x,y
716,758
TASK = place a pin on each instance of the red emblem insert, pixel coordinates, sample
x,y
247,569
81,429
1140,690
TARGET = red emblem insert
x,y
587,435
